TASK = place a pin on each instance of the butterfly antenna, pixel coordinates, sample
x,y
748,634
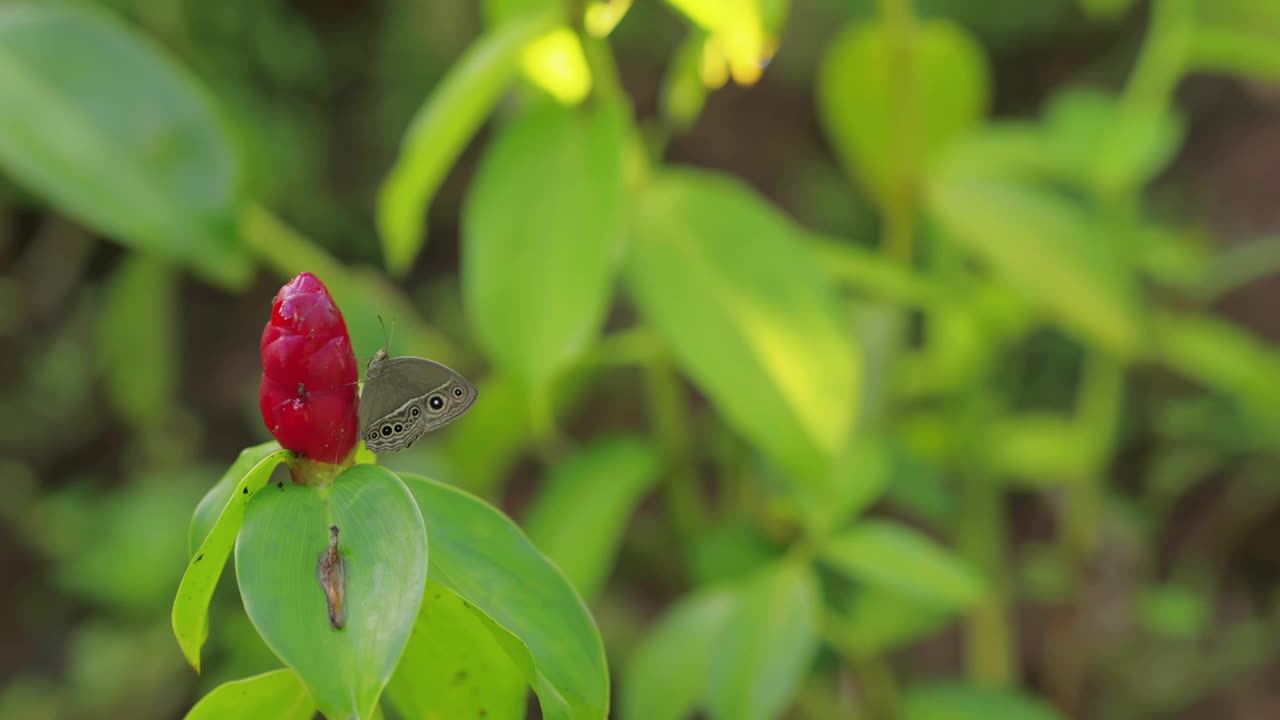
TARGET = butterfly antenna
x,y
385,338
393,334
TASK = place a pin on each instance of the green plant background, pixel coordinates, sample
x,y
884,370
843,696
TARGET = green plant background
x,y
923,369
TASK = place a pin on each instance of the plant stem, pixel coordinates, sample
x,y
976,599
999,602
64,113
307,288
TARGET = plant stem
x,y
989,644
879,696
1164,56
899,206
1098,408
669,415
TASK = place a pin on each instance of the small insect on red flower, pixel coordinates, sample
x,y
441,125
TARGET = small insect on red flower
x,y
308,393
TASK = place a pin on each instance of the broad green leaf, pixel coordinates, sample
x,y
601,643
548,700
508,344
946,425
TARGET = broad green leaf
x,y
857,478
382,538
1054,252
157,173
139,338
191,606
579,516
1138,144
441,129
766,643
453,667
275,695
1038,448
895,557
666,677
539,257
878,620
956,701
211,505
946,82
1237,36
731,288
1224,357
481,556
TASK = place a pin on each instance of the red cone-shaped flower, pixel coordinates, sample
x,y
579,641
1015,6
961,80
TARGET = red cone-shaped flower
x,y
308,392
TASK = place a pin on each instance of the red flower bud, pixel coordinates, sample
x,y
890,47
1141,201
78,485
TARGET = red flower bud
x,y
308,392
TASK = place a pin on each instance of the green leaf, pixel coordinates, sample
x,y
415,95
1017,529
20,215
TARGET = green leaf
x,y
1054,252
275,695
442,128
1237,36
480,555
1138,144
579,516
539,257
191,606
453,667
766,644
139,339
895,557
749,316
211,505
956,701
948,81
1038,448
878,620
1224,357
383,540
666,676
158,175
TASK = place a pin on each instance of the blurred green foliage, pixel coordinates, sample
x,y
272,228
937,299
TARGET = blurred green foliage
x,y
925,393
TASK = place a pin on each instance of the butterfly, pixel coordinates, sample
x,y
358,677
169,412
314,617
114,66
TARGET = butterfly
x,y
407,397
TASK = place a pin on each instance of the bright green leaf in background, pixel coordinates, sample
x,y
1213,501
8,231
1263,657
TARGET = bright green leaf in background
x,y
481,556
139,339
747,313
382,537
894,557
1054,251
878,619
156,172
441,130
542,228
956,701
766,643
454,667
1237,36
1223,356
275,695
191,606
1080,124
579,515
943,69
667,675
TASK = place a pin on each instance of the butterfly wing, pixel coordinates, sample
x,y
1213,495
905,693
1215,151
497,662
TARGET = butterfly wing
x,y
405,397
